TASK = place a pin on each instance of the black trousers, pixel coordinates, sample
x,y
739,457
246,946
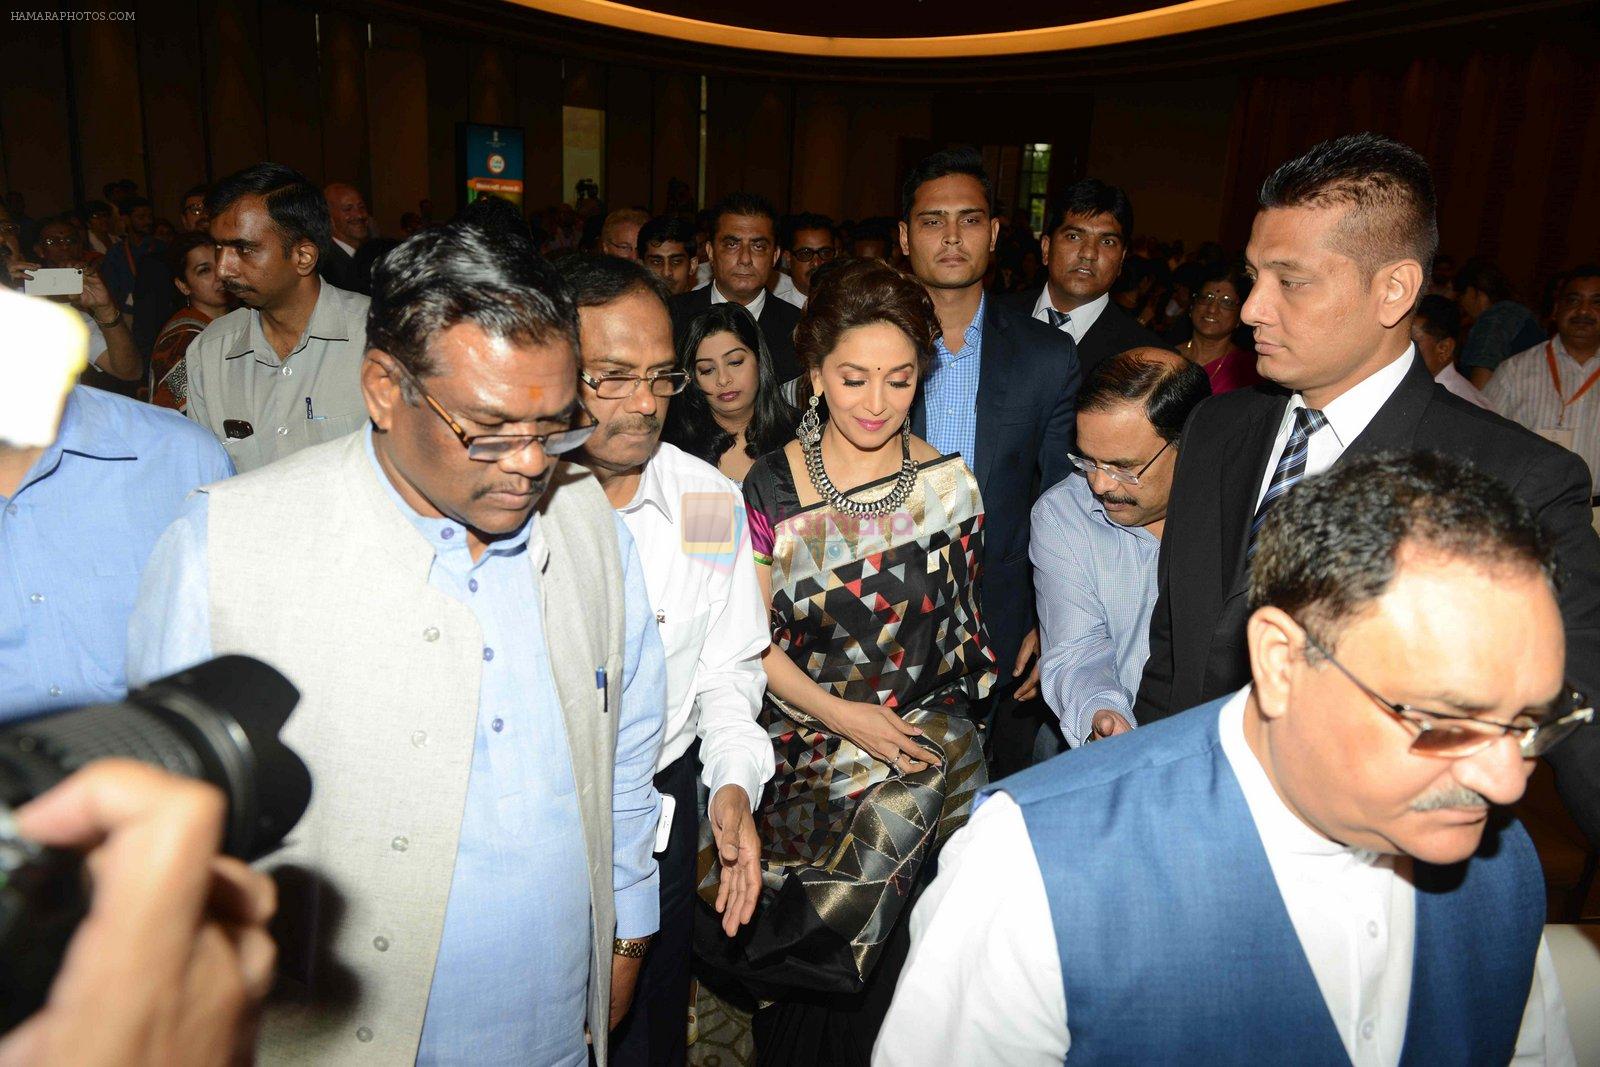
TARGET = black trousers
x,y
656,1030
1014,731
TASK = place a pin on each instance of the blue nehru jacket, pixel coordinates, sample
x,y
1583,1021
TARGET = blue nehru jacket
x,y
74,539
1200,961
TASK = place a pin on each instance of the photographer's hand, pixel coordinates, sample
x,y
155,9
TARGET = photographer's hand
x,y
174,956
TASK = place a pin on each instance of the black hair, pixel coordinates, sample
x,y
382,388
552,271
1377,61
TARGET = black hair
x,y
1090,196
806,220
965,160
296,206
596,279
194,190
1330,546
1588,270
1484,276
1221,272
366,258
1439,317
1387,186
458,272
136,201
691,424
178,250
753,205
1170,390
93,207
667,228
497,215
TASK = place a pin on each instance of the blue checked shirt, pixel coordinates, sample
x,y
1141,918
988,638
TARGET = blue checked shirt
x,y
951,392
1096,585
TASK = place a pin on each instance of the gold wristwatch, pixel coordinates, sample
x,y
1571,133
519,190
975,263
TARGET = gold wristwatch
x,y
631,947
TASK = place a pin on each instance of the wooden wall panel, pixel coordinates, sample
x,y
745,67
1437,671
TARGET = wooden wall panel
x,y
676,135
104,66
292,87
493,95
397,94
346,156
821,131
749,139
171,102
539,96
880,124
445,68
629,152
236,125
34,123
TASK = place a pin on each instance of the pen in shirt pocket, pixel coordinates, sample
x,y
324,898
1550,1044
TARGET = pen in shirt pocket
x,y
600,686
313,418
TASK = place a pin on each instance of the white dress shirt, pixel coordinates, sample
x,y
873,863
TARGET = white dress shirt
x,y
1079,319
754,307
1347,415
349,250
786,291
1457,383
1522,391
982,983
694,544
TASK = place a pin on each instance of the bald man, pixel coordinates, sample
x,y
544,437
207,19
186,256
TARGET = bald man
x,y
1096,536
352,225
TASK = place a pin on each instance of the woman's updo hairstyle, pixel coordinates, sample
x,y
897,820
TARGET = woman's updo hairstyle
x,y
860,292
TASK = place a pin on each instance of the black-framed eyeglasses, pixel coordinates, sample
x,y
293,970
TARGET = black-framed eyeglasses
x,y
1454,735
491,447
806,255
1117,474
621,386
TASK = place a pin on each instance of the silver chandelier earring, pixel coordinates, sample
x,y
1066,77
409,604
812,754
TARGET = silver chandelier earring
x,y
811,423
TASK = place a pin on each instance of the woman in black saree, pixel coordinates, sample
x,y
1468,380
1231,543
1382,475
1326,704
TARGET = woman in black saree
x,y
879,657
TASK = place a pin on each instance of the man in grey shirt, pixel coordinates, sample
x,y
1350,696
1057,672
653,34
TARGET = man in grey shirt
x,y
1096,536
282,372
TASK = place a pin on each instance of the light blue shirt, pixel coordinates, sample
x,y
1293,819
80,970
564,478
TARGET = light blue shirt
x,y
74,539
511,979
950,395
1095,582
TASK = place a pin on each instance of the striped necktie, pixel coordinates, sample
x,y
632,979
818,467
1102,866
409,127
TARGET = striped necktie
x,y
1291,467
1058,319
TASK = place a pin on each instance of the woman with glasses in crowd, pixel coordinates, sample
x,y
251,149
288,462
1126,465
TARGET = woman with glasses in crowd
x,y
867,543
733,410
1214,345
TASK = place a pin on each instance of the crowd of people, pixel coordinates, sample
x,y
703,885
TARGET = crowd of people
x,y
735,637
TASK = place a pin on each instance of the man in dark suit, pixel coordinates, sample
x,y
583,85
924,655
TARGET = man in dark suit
x,y
1086,233
352,227
1340,251
1001,391
743,250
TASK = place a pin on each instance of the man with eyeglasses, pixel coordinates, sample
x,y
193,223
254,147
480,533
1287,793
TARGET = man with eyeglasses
x,y
688,521
744,251
1315,869
192,214
812,242
619,234
1096,535
480,681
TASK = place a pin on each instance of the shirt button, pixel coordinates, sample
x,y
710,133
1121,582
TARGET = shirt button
x,y
37,598
287,371
55,690
448,532
1372,929
283,431
363,1033
431,634
1367,1030
11,509
419,738
472,584
381,944
399,844
498,724
488,653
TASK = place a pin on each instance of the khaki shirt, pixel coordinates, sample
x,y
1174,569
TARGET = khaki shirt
x,y
280,405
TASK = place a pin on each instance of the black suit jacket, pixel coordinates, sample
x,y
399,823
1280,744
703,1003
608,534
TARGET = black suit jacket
x,y
1197,631
338,269
1026,409
1114,331
778,320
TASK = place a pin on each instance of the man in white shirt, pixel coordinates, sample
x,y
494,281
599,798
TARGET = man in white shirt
x,y
1552,387
1436,331
1308,870
688,521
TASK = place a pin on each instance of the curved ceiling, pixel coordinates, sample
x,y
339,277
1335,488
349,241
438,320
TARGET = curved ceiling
x,y
914,29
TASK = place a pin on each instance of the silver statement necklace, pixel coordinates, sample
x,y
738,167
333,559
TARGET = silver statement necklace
x,y
811,445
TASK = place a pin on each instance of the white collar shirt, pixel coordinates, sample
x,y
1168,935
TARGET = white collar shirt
x,y
349,250
784,290
688,523
1456,382
1347,414
1522,391
754,307
982,983
1079,319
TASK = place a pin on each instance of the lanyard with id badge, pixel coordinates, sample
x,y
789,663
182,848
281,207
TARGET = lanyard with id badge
x,y
1561,433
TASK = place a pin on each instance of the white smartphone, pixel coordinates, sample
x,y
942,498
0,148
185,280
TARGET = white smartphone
x,y
54,281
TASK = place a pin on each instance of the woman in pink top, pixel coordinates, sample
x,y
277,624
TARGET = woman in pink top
x,y
1215,316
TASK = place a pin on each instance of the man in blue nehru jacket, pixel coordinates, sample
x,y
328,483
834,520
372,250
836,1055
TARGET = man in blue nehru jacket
x,y
1311,870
